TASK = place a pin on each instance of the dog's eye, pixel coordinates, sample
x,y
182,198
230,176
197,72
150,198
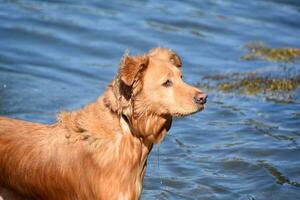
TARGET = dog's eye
x,y
167,83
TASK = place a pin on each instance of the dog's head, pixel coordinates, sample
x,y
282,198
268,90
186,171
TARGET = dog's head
x,y
150,87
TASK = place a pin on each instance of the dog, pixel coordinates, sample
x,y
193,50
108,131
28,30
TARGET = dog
x,y
101,150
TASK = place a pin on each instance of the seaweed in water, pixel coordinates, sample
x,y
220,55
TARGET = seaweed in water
x,y
259,50
273,87
253,84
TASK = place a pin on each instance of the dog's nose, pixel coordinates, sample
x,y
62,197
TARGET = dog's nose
x,y
200,98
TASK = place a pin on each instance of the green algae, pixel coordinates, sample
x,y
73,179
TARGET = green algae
x,y
275,86
253,84
280,85
261,51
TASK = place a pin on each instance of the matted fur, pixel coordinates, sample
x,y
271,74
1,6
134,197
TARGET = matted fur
x,y
101,150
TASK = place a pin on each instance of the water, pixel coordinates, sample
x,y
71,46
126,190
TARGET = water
x,y
60,55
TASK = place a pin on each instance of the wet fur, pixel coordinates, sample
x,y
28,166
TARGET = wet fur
x,y
97,152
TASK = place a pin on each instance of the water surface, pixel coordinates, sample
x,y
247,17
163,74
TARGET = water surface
x,y
60,55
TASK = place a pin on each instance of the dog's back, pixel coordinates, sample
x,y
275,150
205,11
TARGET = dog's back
x,y
32,159
13,135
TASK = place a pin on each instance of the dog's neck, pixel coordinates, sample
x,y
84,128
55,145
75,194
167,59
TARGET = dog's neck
x,y
143,123
109,141
116,140
150,127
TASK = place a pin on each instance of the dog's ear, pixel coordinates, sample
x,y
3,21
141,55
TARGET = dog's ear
x,y
131,68
128,83
175,59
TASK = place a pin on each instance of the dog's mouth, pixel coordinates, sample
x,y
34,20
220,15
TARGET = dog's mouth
x,y
200,107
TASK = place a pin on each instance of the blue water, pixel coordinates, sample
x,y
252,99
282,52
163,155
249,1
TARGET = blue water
x,y
60,55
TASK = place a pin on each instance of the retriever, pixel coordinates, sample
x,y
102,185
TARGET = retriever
x,y
101,150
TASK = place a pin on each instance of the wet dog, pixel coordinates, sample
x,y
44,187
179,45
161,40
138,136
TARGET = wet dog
x,y
101,150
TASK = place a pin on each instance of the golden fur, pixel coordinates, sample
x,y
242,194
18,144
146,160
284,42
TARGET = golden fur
x,y
101,150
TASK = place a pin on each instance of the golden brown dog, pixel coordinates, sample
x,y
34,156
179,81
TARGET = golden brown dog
x,y
101,150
